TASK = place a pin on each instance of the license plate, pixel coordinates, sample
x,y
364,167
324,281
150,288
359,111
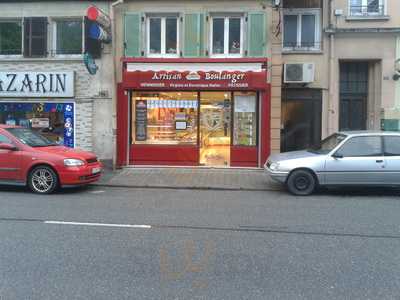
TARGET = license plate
x,y
96,170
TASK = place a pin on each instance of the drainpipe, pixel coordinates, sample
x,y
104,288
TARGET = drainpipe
x,y
331,107
114,75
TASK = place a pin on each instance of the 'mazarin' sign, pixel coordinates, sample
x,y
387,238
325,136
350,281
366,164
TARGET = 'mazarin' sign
x,y
37,84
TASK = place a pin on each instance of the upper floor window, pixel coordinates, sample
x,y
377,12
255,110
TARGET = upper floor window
x,y
162,36
366,7
68,37
301,30
35,37
227,36
10,38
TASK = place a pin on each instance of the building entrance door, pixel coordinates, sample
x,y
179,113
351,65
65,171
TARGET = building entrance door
x,y
215,128
353,95
301,119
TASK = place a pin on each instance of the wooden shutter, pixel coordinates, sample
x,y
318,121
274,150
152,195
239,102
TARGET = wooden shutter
x,y
92,46
35,37
193,35
257,34
133,35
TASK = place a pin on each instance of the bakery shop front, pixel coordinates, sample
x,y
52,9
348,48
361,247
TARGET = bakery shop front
x,y
193,113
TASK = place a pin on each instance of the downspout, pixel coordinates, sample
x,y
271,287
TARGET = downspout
x,y
331,107
114,76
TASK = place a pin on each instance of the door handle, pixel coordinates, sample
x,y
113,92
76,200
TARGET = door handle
x,y
379,161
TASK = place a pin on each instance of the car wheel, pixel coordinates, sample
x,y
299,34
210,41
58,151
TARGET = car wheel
x,y
43,180
301,183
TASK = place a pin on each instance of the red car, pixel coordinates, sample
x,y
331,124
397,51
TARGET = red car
x,y
28,158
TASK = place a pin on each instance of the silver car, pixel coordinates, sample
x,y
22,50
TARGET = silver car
x,y
345,158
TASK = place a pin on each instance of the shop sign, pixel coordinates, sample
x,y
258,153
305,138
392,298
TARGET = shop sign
x,y
37,84
202,80
40,122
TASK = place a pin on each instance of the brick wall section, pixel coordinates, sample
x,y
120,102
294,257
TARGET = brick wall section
x,y
276,80
86,87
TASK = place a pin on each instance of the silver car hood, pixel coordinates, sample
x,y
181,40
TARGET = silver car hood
x,y
292,155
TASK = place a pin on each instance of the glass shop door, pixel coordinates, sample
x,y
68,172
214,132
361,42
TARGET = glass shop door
x,y
215,128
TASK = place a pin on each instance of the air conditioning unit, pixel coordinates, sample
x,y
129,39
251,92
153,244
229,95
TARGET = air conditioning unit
x,y
299,73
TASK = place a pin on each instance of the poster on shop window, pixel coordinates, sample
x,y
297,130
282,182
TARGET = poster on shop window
x,y
52,120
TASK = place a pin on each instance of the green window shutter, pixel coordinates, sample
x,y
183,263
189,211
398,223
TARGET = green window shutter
x,y
193,41
257,34
132,28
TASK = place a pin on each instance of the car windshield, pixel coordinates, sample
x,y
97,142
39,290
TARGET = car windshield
x,y
328,144
30,137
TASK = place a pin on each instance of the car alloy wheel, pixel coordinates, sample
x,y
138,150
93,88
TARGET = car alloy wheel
x,y
301,182
43,180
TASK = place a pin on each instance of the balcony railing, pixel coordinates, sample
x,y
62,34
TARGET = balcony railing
x,y
367,10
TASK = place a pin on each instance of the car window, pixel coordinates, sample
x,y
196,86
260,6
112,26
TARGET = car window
x,y
4,139
392,145
30,137
328,144
361,146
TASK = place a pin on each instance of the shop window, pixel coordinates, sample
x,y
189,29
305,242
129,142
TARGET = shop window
x,y
227,36
53,120
162,36
68,37
35,37
10,38
245,119
164,118
301,30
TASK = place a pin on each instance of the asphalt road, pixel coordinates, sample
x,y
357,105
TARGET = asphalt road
x,y
99,243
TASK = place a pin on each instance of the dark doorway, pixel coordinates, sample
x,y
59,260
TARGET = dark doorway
x,y
301,119
353,95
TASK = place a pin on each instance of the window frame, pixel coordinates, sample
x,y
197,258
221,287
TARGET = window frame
x,y
21,22
364,3
337,151
163,18
54,49
226,53
316,12
46,36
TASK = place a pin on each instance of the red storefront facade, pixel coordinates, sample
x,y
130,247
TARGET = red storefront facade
x,y
193,112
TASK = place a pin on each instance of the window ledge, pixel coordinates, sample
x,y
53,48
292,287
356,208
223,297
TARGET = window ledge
x,y
5,58
302,51
368,18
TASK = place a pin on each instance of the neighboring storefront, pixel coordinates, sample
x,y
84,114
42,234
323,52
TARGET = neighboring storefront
x,y
42,101
208,113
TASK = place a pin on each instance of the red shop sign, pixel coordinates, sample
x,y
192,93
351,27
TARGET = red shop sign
x,y
195,80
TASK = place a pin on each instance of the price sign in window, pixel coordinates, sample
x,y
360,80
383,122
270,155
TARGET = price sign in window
x,y
245,119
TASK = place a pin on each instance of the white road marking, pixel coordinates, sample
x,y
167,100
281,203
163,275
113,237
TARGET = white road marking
x,y
97,192
99,224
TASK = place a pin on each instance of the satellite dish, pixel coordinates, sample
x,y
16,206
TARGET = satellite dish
x,y
90,64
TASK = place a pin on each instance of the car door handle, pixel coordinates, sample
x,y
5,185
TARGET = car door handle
x,y
379,161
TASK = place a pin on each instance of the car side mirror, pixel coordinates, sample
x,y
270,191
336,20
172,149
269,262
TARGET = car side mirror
x,y
9,147
337,155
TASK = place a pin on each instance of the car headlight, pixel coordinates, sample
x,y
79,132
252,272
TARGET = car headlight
x,y
72,162
274,166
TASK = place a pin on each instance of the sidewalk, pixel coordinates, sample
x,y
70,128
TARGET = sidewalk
x,y
189,178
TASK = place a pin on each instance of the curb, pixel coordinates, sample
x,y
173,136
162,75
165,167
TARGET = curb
x,y
204,188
